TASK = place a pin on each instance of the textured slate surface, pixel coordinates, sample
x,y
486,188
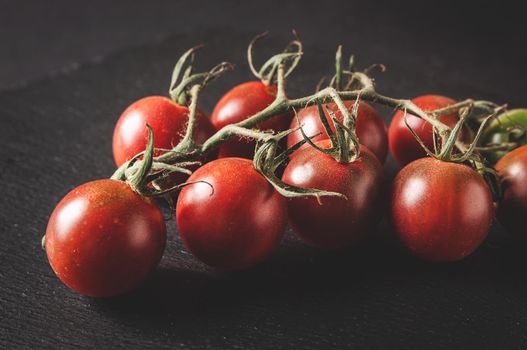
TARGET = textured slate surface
x,y
55,133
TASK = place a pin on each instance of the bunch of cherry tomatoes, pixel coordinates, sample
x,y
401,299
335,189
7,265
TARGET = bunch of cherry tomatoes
x,y
106,236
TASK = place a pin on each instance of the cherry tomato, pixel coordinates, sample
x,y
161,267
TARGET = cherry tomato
x,y
104,239
403,144
441,211
371,129
336,222
234,218
167,119
512,209
498,132
240,103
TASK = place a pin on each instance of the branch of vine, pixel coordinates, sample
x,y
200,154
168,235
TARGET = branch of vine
x,y
189,150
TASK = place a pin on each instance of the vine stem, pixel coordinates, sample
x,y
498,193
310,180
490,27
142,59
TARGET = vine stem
x,y
280,93
188,141
188,150
367,93
509,146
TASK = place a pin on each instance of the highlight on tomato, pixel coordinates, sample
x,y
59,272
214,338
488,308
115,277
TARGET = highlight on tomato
x,y
230,216
334,222
338,165
238,104
441,209
104,239
167,118
403,144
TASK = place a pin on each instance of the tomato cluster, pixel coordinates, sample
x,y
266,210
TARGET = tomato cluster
x,y
105,237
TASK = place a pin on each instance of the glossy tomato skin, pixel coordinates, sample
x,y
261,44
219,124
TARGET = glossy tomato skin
x,y
103,239
238,104
440,211
235,224
167,119
371,129
403,144
512,208
336,222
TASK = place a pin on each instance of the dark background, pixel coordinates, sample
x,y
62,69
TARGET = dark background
x,y
67,70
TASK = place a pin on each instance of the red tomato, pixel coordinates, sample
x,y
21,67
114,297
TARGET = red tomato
x,y
371,129
104,239
238,221
440,211
337,222
240,103
167,119
403,144
512,209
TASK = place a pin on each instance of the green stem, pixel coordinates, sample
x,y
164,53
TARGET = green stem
x,y
283,105
338,68
509,146
188,142
447,146
138,179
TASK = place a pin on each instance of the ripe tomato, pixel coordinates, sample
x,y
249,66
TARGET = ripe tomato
x,y
512,209
371,129
337,222
104,239
441,211
167,119
239,103
403,144
238,221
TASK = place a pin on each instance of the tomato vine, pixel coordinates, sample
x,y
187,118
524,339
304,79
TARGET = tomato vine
x,y
359,86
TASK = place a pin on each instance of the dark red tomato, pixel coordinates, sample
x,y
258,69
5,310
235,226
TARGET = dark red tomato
x,y
512,209
337,222
238,221
371,129
167,119
104,239
440,211
403,144
240,103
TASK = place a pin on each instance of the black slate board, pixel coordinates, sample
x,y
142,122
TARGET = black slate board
x,y
55,133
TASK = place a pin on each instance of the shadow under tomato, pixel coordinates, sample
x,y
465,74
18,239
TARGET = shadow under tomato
x,y
304,276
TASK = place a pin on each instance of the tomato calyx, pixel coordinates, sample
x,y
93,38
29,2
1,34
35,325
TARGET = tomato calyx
x,y
445,144
138,180
183,78
266,161
144,169
353,80
268,72
345,145
142,172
